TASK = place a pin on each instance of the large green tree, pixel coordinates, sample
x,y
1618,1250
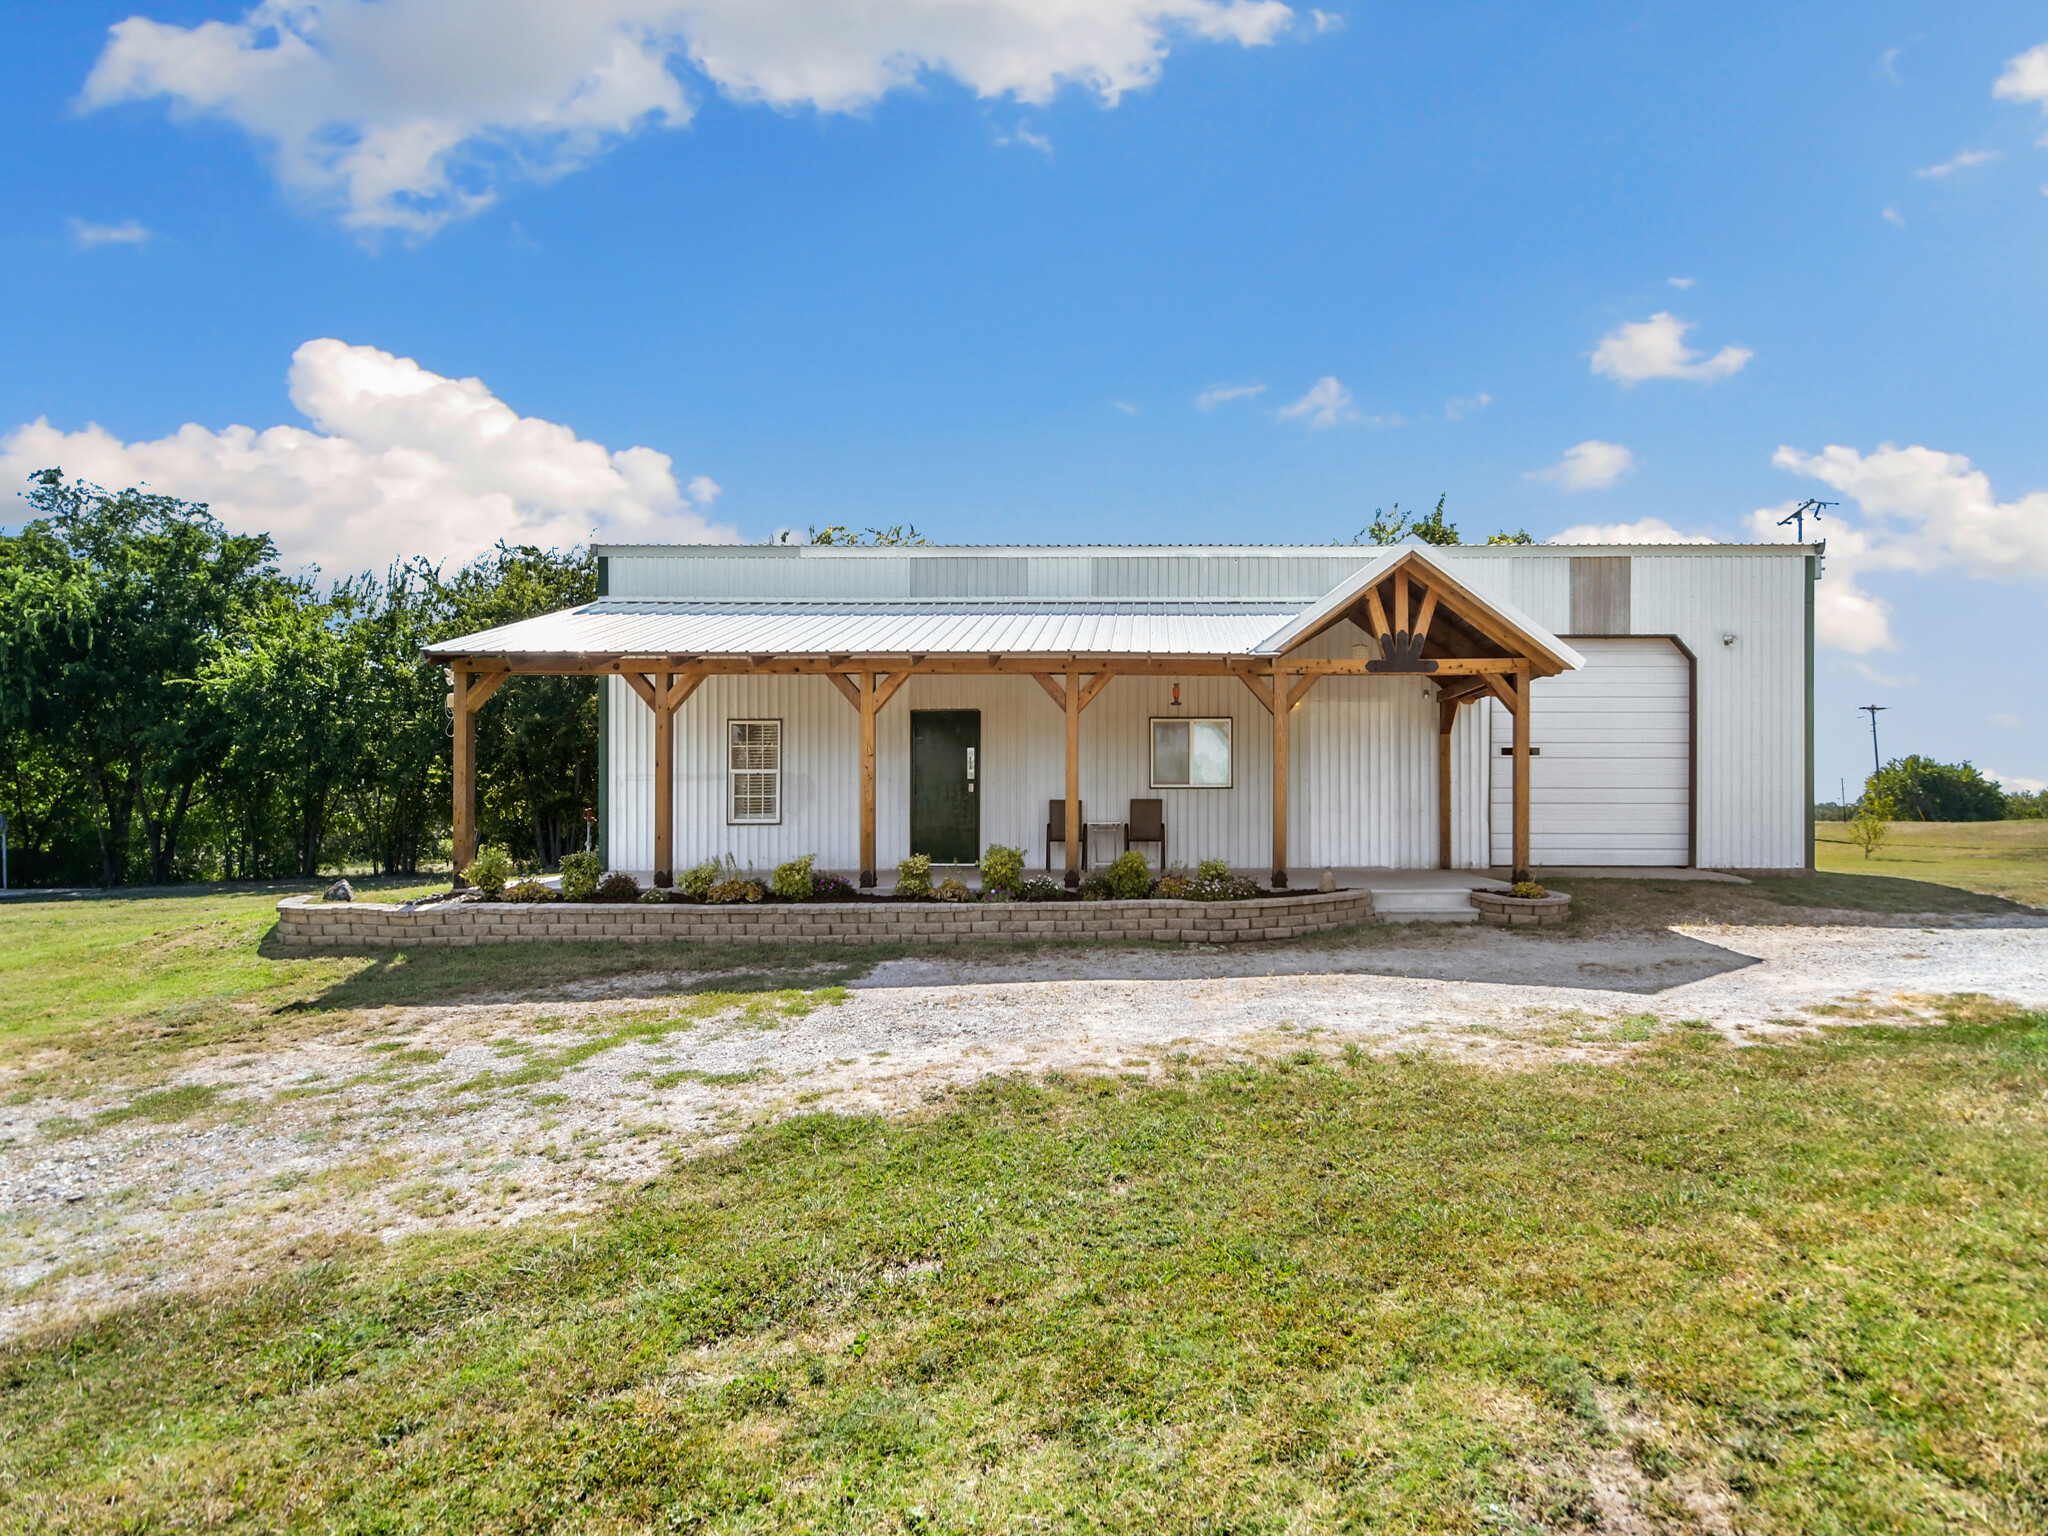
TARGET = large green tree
x,y
111,605
1924,790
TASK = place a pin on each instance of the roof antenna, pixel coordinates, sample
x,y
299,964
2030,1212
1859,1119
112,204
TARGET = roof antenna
x,y
1797,516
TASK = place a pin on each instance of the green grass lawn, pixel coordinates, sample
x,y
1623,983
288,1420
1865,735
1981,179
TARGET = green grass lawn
x,y
1797,1285
1998,858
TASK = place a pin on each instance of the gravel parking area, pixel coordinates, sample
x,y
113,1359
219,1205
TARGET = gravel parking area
x,y
398,1120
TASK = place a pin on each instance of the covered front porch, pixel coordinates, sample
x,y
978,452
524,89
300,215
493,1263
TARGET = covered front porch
x,y
1401,635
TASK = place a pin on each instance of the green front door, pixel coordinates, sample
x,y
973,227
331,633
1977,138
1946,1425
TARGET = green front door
x,y
945,784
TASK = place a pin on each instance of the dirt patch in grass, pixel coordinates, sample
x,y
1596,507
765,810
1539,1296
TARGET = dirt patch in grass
x,y
1685,1287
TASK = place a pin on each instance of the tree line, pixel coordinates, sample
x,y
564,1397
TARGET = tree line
x,y
174,706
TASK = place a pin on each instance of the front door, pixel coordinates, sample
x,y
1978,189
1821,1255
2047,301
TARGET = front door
x,y
945,784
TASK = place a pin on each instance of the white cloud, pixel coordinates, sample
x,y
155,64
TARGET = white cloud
x,y
1218,394
1926,511
1888,65
1962,162
1655,349
2016,783
404,114
1893,216
399,461
1125,406
127,232
1327,404
1465,405
1589,466
2025,78
704,490
1645,530
2007,719
1870,674
1024,136
1326,21
1681,282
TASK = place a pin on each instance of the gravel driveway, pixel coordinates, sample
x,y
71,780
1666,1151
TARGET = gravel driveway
x,y
397,1120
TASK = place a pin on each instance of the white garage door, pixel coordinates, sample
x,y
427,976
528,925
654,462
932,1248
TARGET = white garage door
x,y
1611,782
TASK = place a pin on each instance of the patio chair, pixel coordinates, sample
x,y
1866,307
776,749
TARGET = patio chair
x,y
1056,830
1147,825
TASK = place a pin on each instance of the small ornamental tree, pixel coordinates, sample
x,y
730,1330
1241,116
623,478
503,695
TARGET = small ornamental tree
x,y
1872,823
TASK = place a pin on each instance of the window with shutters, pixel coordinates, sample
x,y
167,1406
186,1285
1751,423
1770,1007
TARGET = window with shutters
x,y
754,771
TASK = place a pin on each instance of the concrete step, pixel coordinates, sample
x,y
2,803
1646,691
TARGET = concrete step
x,y
1412,906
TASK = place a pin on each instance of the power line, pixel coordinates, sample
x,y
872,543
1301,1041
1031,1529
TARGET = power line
x,y
1876,763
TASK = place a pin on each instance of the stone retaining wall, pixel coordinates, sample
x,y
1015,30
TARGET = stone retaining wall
x,y
1522,911
307,922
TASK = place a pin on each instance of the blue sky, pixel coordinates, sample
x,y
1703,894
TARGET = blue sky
x,y
690,268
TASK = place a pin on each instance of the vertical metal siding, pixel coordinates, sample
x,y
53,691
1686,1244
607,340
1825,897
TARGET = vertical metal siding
x,y
1471,786
1752,704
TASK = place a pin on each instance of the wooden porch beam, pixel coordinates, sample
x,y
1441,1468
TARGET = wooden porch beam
x,y
464,845
1400,602
663,687
1053,690
1521,860
1381,629
1280,714
1095,686
867,780
1299,690
886,688
1076,833
846,686
1422,619
1446,666
641,686
1261,687
1446,720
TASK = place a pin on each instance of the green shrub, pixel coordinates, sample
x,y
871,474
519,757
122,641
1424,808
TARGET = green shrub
x,y
2021,806
617,886
1130,877
794,881
1924,790
580,874
950,889
531,891
1528,890
1041,888
1212,869
698,880
489,871
1002,869
914,876
1095,887
726,892
1171,888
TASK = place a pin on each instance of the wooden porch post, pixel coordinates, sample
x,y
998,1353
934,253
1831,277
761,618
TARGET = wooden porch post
x,y
1447,717
465,772
1522,680
1075,831
867,779
1280,713
664,778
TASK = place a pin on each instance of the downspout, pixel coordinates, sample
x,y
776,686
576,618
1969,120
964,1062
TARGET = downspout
x,y
604,737
1812,575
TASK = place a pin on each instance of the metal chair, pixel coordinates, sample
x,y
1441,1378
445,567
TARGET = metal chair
x,y
1147,825
1056,830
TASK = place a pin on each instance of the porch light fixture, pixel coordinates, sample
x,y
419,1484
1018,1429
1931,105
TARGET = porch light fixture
x,y
1176,695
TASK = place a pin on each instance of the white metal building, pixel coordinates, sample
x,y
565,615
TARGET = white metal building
x,y
1669,694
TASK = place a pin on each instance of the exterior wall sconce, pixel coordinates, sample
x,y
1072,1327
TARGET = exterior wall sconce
x,y
1176,695
1728,639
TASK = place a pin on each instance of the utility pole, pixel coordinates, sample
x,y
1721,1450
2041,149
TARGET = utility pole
x,y
1797,516
1876,764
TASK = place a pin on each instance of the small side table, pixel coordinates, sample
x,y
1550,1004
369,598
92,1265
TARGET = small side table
x,y
1106,828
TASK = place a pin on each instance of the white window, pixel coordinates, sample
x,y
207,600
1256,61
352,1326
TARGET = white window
x,y
754,766
1191,754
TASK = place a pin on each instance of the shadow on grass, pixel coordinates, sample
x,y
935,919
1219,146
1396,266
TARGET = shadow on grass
x,y
502,972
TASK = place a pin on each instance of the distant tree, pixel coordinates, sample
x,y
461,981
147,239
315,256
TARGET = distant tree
x,y
1392,527
536,736
897,533
1519,536
2022,806
1925,790
111,603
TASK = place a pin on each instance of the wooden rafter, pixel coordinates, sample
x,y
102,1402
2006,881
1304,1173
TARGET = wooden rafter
x,y
1381,629
1428,613
846,686
889,686
1095,686
1261,688
1299,691
642,686
1053,690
